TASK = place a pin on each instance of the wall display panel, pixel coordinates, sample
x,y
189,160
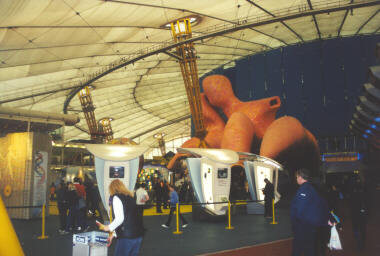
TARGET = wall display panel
x,y
274,73
312,88
231,74
273,67
24,165
245,88
340,77
369,50
257,75
292,77
334,86
13,171
354,70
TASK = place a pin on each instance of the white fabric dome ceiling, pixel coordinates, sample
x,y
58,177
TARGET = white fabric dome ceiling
x,y
51,49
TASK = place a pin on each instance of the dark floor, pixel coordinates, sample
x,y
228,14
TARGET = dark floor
x,y
253,235
198,238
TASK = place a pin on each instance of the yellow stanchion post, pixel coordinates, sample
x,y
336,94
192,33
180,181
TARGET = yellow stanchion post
x,y
229,216
177,232
274,216
43,223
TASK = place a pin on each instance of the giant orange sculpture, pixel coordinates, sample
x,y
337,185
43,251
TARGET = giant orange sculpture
x,y
253,123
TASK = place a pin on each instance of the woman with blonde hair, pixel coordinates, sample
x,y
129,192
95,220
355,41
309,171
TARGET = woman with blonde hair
x,y
127,224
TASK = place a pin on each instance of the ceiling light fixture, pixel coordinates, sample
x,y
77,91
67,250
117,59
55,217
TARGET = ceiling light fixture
x,y
194,20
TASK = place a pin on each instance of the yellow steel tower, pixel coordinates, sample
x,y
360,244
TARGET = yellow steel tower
x,y
88,111
181,31
106,129
161,142
102,132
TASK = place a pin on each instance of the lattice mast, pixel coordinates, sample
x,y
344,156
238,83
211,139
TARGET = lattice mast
x,y
106,129
88,111
181,31
103,131
161,142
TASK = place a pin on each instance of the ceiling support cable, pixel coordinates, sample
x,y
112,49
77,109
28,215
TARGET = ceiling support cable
x,y
315,20
173,121
149,52
137,84
67,26
366,22
189,11
175,56
274,16
376,30
344,19
268,35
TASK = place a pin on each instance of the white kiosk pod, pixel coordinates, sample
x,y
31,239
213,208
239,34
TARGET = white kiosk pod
x,y
211,176
257,168
115,162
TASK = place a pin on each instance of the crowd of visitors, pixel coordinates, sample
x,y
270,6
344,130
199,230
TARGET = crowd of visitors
x,y
74,202
314,210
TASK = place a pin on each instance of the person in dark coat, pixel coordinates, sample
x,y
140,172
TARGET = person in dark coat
x,y
62,206
268,192
72,202
165,194
127,223
158,194
308,212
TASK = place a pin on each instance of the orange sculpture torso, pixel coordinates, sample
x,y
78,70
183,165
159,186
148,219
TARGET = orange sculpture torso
x,y
248,122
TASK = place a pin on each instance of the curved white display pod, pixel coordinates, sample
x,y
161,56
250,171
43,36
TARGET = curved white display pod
x,y
210,174
257,168
115,162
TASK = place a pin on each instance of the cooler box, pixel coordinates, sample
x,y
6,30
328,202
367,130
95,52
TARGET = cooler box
x,y
90,244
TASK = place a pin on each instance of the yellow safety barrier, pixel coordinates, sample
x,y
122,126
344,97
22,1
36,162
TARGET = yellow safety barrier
x,y
9,242
177,232
274,216
229,216
43,223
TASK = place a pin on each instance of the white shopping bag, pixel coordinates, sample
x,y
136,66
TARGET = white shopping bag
x,y
334,240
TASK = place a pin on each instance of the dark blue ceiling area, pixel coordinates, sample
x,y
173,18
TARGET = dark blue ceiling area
x,y
319,83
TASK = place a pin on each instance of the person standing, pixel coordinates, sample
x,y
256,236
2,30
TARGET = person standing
x,y
72,204
165,193
158,194
81,213
268,192
52,191
173,204
126,225
62,206
308,212
141,198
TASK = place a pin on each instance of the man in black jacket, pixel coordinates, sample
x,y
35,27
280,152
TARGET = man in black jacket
x,y
308,212
268,192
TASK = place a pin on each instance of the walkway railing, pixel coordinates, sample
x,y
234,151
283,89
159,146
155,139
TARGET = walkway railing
x,y
178,205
